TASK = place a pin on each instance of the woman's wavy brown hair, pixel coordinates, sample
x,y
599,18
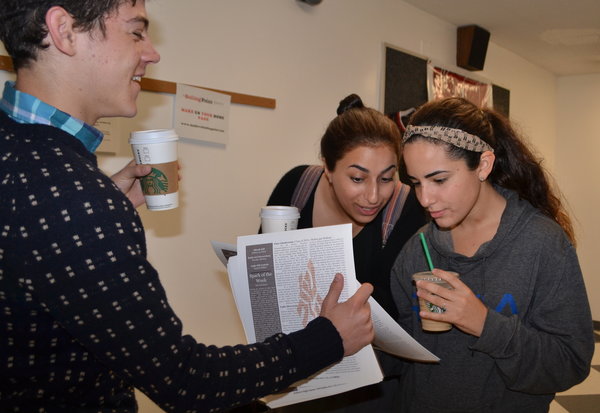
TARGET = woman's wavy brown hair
x,y
516,167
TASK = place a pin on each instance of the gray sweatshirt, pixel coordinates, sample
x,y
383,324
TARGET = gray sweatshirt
x,y
538,337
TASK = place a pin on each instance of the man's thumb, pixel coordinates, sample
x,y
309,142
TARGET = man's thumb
x,y
143,170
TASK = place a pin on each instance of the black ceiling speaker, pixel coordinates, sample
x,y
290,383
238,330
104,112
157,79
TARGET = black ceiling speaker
x,y
471,47
311,2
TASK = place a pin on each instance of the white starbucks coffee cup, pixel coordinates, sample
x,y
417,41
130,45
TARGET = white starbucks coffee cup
x,y
275,218
158,148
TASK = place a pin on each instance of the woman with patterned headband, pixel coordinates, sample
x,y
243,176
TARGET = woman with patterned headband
x,y
522,328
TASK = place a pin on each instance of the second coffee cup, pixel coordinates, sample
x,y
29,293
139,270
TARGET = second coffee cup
x,y
275,218
424,305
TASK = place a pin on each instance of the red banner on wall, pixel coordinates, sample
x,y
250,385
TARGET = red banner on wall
x,y
442,83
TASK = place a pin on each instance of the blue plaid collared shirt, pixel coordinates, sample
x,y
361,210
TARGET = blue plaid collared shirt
x,y
25,108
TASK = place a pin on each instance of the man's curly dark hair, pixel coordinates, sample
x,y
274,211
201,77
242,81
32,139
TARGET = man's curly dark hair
x,y
23,26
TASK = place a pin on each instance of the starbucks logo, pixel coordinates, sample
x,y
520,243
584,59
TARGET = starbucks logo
x,y
155,183
434,308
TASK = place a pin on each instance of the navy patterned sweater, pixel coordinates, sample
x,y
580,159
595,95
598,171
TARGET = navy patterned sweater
x,y
83,316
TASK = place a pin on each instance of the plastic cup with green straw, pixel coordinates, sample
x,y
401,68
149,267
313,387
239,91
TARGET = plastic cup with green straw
x,y
426,249
426,306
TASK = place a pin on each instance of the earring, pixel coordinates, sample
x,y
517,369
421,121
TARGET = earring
x,y
481,179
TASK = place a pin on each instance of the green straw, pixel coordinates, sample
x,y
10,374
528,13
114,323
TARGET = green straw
x,y
426,249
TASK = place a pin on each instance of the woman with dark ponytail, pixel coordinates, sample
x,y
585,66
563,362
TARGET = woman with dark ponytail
x,y
522,323
358,184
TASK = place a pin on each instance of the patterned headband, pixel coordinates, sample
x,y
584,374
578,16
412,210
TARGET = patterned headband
x,y
456,137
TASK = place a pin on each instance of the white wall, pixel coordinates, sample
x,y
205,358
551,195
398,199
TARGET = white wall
x,y
532,99
307,58
578,127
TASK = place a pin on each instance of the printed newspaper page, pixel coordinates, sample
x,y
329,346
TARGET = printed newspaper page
x,y
389,336
279,281
393,339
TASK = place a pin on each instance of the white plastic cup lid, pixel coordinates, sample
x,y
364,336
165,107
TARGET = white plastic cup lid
x,y
279,212
153,136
